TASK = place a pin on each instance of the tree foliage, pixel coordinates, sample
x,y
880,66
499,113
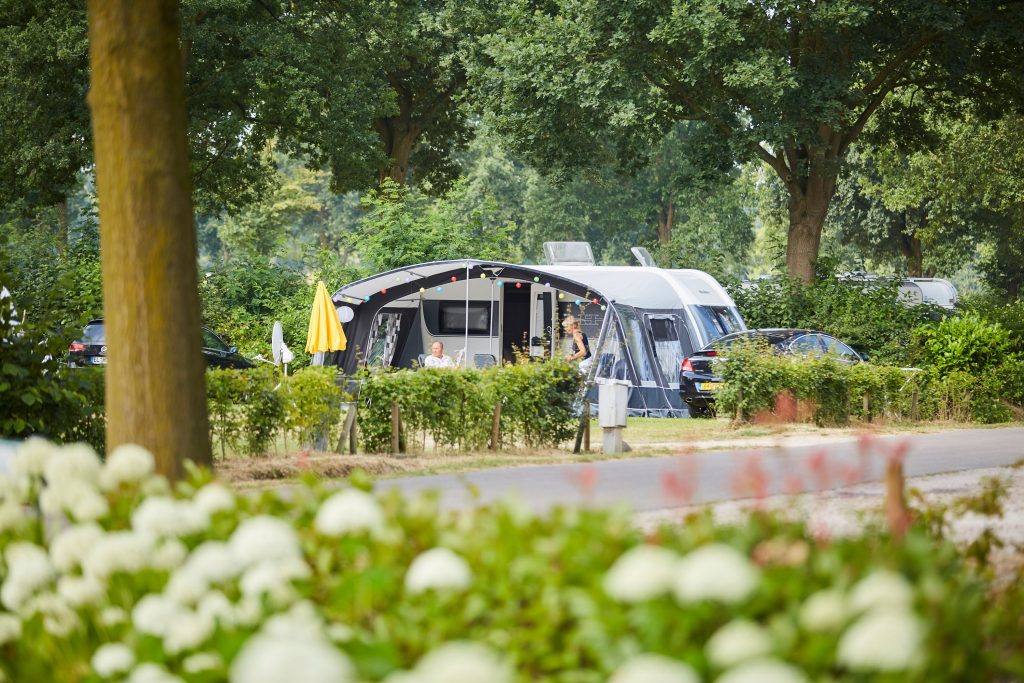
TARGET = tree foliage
x,y
791,83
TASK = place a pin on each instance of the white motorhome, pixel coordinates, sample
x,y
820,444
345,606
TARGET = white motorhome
x,y
641,321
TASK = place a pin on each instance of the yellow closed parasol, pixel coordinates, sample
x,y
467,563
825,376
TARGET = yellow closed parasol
x,y
325,333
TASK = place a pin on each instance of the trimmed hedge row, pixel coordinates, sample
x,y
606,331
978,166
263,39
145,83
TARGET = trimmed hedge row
x,y
455,407
755,378
250,409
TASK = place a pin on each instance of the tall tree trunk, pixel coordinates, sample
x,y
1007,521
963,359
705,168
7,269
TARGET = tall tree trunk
x,y
911,249
666,219
155,388
808,205
398,136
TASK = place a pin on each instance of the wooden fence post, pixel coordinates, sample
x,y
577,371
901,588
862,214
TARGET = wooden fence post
x,y
396,428
867,406
496,427
915,412
896,511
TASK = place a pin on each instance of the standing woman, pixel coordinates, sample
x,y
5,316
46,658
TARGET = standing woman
x,y
580,344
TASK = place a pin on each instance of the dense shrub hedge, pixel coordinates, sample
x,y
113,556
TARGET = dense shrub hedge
x,y
872,319
249,409
455,408
755,378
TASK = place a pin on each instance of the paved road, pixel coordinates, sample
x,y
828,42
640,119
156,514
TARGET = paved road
x,y
661,482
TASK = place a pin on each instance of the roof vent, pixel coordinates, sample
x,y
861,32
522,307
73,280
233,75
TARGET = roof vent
x,y
644,257
568,254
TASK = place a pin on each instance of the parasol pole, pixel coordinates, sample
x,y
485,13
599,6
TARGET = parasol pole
x,y
465,347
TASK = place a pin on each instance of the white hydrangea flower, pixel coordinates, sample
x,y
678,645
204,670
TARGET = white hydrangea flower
x,y
263,538
155,613
73,463
112,616
59,619
127,464
881,588
119,551
112,658
148,672
212,562
648,668
763,671
883,639
437,568
10,628
641,573
349,511
30,457
167,517
72,545
217,608
11,514
187,630
281,659
301,621
737,641
202,661
274,578
169,554
28,569
80,591
715,572
214,498
825,610
78,499
339,633
248,611
463,662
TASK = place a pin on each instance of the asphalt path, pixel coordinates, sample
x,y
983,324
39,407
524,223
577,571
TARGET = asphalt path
x,y
710,476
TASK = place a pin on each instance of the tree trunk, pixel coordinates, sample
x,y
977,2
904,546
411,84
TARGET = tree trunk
x,y
807,209
910,247
666,219
398,136
155,385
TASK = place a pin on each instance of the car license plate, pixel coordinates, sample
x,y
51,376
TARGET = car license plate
x,y
709,386
99,360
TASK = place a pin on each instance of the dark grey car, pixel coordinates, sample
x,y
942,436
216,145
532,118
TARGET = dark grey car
x,y
91,349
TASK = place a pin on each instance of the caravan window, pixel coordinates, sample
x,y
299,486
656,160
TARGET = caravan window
x,y
452,318
717,321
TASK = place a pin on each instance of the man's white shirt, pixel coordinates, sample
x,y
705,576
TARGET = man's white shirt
x,y
433,361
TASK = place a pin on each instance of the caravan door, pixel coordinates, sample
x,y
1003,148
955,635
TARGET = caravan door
x,y
671,342
542,322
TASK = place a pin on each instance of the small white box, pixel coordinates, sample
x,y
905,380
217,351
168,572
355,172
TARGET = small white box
x,y
612,401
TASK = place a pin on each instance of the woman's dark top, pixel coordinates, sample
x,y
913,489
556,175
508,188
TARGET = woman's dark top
x,y
586,345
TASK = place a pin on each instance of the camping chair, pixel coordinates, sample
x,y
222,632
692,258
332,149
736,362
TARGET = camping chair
x,y
421,359
484,360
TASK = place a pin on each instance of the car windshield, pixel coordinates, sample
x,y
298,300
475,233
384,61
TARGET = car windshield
x,y
716,321
94,334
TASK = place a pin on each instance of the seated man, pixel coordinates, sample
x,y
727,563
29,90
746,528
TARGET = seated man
x,y
437,359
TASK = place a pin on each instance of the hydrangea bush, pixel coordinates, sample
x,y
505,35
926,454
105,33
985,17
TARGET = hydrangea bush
x,y
108,573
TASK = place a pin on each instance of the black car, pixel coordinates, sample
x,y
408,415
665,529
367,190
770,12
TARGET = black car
x,y
91,349
698,382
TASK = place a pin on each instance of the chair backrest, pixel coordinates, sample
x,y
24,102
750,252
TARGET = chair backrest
x,y
421,359
484,360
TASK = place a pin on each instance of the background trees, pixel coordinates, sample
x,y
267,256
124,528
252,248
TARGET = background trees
x,y
792,84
